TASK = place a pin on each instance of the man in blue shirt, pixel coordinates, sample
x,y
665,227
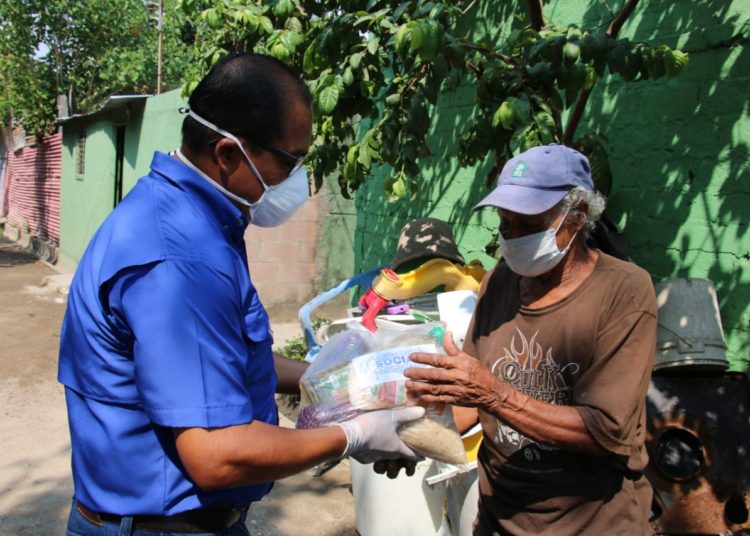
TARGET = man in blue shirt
x,y
165,350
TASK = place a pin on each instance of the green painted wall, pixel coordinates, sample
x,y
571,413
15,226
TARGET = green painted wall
x,y
678,150
156,129
85,200
338,223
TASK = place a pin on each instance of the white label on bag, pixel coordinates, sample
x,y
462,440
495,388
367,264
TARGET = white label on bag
x,y
386,365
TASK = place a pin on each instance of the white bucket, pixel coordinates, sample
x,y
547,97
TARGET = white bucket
x,y
438,500
689,332
403,506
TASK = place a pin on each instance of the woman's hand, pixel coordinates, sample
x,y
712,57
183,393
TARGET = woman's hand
x,y
457,378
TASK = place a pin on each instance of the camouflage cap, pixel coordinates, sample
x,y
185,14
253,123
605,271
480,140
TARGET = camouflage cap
x,y
426,238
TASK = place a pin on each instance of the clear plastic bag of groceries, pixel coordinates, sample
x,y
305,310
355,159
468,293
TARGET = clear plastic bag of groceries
x,y
358,371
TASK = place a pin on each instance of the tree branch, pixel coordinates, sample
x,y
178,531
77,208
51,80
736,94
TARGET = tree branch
x,y
619,20
583,98
492,54
575,117
535,14
467,8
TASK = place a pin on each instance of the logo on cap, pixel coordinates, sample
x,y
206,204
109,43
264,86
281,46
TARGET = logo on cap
x,y
519,171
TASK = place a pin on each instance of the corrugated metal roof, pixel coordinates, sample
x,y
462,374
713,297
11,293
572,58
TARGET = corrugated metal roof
x,y
112,103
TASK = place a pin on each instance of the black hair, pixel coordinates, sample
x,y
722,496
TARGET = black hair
x,y
246,94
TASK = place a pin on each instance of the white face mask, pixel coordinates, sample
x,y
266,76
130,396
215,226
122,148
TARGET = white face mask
x,y
533,254
278,202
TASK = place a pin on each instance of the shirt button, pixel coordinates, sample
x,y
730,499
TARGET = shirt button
x,y
225,227
239,222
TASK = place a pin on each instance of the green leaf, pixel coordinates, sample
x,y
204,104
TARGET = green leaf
x,y
350,171
311,59
211,16
402,38
328,98
401,9
266,24
348,77
279,51
522,108
352,154
372,45
399,188
217,55
355,59
431,42
364,157
282,7
416,35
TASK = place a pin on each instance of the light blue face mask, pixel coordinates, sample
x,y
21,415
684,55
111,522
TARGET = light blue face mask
x,y
534,254
278,202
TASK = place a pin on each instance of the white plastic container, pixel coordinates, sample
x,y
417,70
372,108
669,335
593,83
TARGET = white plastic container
x,y
456,308
404,506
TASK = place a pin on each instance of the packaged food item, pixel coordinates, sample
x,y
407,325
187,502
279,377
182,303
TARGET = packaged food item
x,y
327,378
319,415
435,436
358,371
376,379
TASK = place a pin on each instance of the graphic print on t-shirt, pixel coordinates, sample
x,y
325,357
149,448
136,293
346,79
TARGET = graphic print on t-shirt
x,y
528,368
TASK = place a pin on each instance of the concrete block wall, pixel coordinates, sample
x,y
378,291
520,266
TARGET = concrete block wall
x,y
284,261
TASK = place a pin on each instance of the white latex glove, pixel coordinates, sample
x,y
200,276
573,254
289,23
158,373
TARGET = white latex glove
x,y
372,436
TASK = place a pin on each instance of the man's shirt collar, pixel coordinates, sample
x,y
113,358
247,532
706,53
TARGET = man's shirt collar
x,y
176,172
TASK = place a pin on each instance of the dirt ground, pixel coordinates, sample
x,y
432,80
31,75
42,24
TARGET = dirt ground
x,y
35,481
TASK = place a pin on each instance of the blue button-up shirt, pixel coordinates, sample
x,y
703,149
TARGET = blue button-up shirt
x,y
163,329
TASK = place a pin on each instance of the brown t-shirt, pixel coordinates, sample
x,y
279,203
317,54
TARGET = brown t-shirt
x,y
594,351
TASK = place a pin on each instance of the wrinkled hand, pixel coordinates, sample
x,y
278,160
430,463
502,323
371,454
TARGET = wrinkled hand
x,y
391,468
372,436
457,378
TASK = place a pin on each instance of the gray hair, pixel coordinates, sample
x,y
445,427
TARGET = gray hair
x,y
593,199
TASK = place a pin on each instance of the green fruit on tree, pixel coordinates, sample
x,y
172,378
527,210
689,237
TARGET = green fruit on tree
x,y
586,48
616,57
631,66
574,32
505,115
675,62
599,46
571,52
393,99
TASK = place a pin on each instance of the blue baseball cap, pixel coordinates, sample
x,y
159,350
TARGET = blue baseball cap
x,y
537,179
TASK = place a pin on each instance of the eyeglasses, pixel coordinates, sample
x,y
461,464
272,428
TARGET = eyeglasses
x,y
295,161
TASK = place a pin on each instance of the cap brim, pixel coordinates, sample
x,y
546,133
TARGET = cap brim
x,y
398,263
522,199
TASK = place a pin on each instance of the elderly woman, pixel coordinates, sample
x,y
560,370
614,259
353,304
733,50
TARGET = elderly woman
x,y
556,362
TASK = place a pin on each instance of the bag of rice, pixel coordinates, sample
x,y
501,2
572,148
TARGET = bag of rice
x,y
435,436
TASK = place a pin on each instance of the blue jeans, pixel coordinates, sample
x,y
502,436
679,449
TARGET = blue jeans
x,y
80,526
